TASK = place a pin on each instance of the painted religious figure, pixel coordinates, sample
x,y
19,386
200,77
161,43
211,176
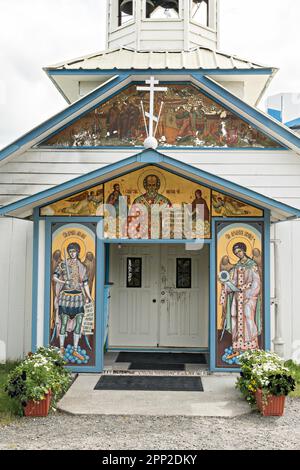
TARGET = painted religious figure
x,y
86,203
226,206
73,273
188,119
152,189
240,292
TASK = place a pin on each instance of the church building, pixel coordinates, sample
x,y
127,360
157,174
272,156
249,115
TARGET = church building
x,y
159,211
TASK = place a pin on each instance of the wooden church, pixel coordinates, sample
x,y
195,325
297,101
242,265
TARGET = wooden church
x,y
159,129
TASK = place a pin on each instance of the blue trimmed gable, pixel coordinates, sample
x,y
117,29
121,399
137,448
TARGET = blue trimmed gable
x,y
27,205
188,118
275,130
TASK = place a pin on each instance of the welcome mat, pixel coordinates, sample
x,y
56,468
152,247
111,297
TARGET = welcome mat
x,y
150,383
155,366
136,357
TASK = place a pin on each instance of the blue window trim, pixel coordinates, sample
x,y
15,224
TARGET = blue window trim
x,y
100,280
177,82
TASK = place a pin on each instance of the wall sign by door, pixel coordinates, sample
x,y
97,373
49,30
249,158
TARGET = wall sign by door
x,y
239,290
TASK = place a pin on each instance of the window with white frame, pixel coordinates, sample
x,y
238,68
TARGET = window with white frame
x,y
200,12
125,12
162,9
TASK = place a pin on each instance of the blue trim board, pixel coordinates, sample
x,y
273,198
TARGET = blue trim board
x,y
40,145
212,301
198,76
293,123
267,280
276,114
35,277
148,157
170,148
47,290
185,71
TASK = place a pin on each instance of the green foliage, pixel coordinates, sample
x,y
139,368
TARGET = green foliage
x,y
8,407
295,370
266,371
38,374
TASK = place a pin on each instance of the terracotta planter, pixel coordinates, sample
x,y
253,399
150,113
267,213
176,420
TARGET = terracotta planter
x,y
40,408
271,405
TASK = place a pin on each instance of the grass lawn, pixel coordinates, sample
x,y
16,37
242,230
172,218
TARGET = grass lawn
x,y
295,368
8,408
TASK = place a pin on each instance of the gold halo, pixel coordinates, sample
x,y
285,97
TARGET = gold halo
x,y
239,239
152,171
73,239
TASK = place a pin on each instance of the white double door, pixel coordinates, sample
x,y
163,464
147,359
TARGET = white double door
x,y
159,296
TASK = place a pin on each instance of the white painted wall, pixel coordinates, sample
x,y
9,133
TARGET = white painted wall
x,y
15,288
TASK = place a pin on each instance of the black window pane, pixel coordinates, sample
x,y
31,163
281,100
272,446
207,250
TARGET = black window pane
x,y
183,273
134,272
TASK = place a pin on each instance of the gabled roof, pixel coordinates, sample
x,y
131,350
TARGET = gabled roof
x,y
124,58
254,116
67,75
294,124
25,207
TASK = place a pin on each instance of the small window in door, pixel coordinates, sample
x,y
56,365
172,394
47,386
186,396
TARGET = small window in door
x,y
183,273
134,272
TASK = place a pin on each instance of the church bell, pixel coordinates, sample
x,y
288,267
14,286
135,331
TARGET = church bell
x,y
168,4
126,6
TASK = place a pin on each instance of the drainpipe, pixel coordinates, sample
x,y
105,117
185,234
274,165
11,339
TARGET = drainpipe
x,y
278,340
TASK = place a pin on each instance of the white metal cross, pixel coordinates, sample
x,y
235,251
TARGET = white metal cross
x,y
152,89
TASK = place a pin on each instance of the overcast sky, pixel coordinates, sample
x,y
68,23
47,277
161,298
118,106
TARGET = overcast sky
x,y
36,33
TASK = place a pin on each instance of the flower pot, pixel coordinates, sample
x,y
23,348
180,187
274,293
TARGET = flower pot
x,y
38,408
270,405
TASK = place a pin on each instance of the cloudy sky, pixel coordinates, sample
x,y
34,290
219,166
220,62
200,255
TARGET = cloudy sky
x,y
36,33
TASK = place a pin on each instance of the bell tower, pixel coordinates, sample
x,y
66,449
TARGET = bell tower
x,y
162,25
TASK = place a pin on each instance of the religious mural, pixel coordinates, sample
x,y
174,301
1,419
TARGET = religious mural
x,y
187,118
226,206
86,203
240,290
152,186
72,311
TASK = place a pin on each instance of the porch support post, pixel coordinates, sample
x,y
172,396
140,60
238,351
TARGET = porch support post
x,y
100,314
278,340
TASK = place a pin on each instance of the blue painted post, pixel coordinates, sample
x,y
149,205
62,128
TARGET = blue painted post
x,y
35,269
100,297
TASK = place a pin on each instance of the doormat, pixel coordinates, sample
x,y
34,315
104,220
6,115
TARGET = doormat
x,y
137,357
150,383
155,366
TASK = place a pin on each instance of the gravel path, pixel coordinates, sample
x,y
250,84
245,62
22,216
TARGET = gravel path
x,y
60,431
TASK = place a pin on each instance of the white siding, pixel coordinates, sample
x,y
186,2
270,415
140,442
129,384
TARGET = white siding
x,y
15,287
273,173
